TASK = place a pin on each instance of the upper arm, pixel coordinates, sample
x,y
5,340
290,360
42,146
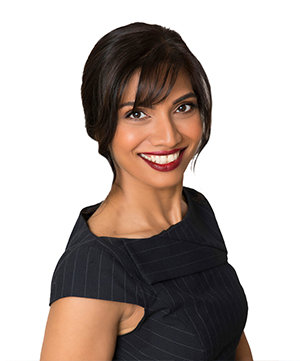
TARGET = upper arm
x,y
81,329
243,352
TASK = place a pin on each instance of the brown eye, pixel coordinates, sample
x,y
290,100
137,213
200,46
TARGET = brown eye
x,y
137,114
185,108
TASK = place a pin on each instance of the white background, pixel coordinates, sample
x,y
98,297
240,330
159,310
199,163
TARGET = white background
x,y
249,170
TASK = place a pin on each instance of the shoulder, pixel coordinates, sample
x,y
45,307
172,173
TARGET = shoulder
x,y
94,267
195,197
201,212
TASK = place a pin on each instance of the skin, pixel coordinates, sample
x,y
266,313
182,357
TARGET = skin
x,y
142,202
243,352
161,128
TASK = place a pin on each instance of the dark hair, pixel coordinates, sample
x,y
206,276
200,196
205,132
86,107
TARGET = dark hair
x,y
159,54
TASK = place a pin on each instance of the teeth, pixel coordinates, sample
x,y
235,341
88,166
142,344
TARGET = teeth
x,y
171,158
161,159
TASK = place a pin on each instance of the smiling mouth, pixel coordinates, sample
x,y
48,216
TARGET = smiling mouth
x,y
161,159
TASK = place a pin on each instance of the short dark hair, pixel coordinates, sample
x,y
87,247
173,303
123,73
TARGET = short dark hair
x,y
159,54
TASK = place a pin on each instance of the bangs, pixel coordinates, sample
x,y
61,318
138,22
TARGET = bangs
x,y
156,55
158,73
156,82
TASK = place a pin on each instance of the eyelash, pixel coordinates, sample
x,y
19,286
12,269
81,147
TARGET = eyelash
x,y
191,104
129,115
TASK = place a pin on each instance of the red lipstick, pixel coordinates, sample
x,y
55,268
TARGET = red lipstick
x,y
165,152
168,166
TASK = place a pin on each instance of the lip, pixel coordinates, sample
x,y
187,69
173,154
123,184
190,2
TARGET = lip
x,y
164,152
165,167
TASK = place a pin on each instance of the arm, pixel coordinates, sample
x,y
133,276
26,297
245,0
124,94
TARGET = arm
x,y
81,329
243,352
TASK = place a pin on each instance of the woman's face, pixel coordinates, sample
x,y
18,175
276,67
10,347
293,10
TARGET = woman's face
x,y
154,145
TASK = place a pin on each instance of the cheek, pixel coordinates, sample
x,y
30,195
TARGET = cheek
x,y
126,139
194,130
197,129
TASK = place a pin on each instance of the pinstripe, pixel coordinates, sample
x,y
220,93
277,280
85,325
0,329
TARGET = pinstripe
x,y
184,230
125,287
238,294
220,307
177,234
157,247
175,328
177,267
99,272
112,278
170,297
165,258
160,349
110,250
136,296
229,291
224,295
78,235
169,339
74,268
86,271
195,308
64,276
217,294
208,298
216,231
82,240
191,320
132,357
140,352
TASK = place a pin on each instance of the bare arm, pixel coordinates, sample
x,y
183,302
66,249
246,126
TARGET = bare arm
x,y
243,352
81,329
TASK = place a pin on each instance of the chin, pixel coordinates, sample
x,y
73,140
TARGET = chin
x,y
164,180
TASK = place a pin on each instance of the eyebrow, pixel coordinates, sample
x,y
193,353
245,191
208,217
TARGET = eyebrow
x,y
186,96
180,99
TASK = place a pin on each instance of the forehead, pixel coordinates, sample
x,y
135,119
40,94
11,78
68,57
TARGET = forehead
x,y
181,86
130,88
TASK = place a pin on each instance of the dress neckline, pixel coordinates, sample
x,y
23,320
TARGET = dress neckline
x,y
87,212
192,245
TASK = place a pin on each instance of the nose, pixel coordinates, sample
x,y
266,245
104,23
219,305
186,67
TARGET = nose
x,y
165,132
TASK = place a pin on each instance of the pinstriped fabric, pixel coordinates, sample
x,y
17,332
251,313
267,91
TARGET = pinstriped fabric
x,y
90,272
195,307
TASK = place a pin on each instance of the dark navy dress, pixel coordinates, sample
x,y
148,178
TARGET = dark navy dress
x,y
195,307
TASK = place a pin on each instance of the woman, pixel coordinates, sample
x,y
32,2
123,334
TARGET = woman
x,y
145,273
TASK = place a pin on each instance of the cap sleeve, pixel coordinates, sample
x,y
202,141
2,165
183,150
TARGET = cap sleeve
x,y
90,272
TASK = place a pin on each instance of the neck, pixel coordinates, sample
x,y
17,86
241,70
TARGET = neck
x,y
148,206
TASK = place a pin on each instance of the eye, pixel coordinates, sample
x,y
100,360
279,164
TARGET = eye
x,y
185,108
136,114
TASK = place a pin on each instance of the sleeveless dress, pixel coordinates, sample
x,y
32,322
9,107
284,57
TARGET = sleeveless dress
x,y
195,307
